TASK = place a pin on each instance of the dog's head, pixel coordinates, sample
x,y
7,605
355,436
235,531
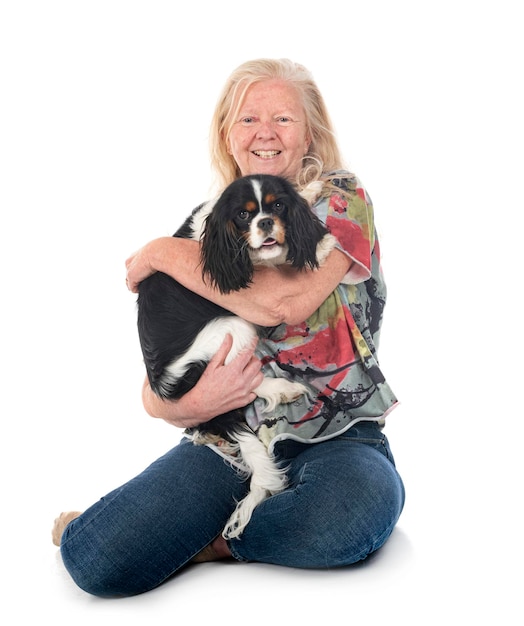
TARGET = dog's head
x,y
258,219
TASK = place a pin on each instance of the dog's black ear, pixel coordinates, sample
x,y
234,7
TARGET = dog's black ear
x,y
303,232
224,253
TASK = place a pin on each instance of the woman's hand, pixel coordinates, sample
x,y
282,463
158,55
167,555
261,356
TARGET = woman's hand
x,y
140,264
138,267
221,388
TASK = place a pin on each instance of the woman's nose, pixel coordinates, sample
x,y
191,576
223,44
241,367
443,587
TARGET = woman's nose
x,y
266,129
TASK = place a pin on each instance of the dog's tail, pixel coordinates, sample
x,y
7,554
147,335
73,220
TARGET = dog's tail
x,y
266,479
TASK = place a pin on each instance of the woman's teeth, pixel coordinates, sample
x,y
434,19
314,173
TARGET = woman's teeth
x,y
266,154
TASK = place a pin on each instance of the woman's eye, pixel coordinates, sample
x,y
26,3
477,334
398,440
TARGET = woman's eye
x,y
284,120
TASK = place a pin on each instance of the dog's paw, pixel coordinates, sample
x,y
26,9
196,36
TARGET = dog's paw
x,y
60,524
279,391
207,439
292,392
204,439
312,192
242,514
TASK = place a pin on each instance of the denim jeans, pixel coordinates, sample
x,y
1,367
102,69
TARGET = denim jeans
x,y
343,501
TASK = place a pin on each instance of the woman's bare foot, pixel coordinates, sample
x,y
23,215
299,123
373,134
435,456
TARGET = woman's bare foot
x,y
61,522
215,551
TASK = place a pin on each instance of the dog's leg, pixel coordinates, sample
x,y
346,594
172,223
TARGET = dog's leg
x,y
324,247
279,391
266,479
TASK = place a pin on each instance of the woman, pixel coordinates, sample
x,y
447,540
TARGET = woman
x,y
345,495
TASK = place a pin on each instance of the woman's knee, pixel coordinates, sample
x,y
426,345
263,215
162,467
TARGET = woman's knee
x,y
339,509
91,564
361,513
371,509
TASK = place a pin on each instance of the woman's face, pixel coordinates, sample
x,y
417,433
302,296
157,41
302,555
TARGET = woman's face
x,y
269,135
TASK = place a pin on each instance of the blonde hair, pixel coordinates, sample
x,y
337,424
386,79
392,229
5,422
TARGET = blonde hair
x,y
323,154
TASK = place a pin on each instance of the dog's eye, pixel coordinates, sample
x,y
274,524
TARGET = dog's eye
x,y
278,207
243,215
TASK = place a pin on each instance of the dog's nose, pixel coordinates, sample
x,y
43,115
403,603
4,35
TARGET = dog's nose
x,y
266,224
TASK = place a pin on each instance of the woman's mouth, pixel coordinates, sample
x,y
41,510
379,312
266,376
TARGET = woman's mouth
x,y
266,154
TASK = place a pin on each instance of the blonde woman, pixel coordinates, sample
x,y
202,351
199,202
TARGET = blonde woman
x,y
344,495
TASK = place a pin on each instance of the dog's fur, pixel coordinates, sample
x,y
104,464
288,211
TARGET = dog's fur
x,y
258,219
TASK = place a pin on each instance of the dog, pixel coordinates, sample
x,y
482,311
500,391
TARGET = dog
x,y
257,220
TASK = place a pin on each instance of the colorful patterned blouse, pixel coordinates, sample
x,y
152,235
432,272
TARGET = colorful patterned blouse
x,y
334,351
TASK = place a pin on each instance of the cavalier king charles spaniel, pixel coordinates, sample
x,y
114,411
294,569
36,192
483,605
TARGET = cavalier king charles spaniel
x,y
257,220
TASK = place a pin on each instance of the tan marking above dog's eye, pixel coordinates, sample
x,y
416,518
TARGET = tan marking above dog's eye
x,y
269,198
251,205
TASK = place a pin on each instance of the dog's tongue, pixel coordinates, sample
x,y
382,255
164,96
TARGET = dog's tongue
x,y
269,241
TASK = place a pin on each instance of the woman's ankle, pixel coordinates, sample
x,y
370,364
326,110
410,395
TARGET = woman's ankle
x,y
215,551
221,548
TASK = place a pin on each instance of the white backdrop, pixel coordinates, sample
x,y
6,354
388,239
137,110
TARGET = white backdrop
x,y
105,107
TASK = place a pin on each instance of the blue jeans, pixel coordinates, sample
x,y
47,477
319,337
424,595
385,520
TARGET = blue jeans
x,y
343,501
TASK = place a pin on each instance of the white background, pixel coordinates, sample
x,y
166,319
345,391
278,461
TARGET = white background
x,y
104,114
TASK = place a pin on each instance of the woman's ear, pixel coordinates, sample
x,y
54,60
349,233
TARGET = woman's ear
x,y
307,143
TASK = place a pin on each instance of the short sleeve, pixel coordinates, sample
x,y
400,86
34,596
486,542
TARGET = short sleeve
x,y
349,217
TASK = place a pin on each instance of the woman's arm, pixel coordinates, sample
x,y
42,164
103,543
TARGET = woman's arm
x,y
221,388
277,295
